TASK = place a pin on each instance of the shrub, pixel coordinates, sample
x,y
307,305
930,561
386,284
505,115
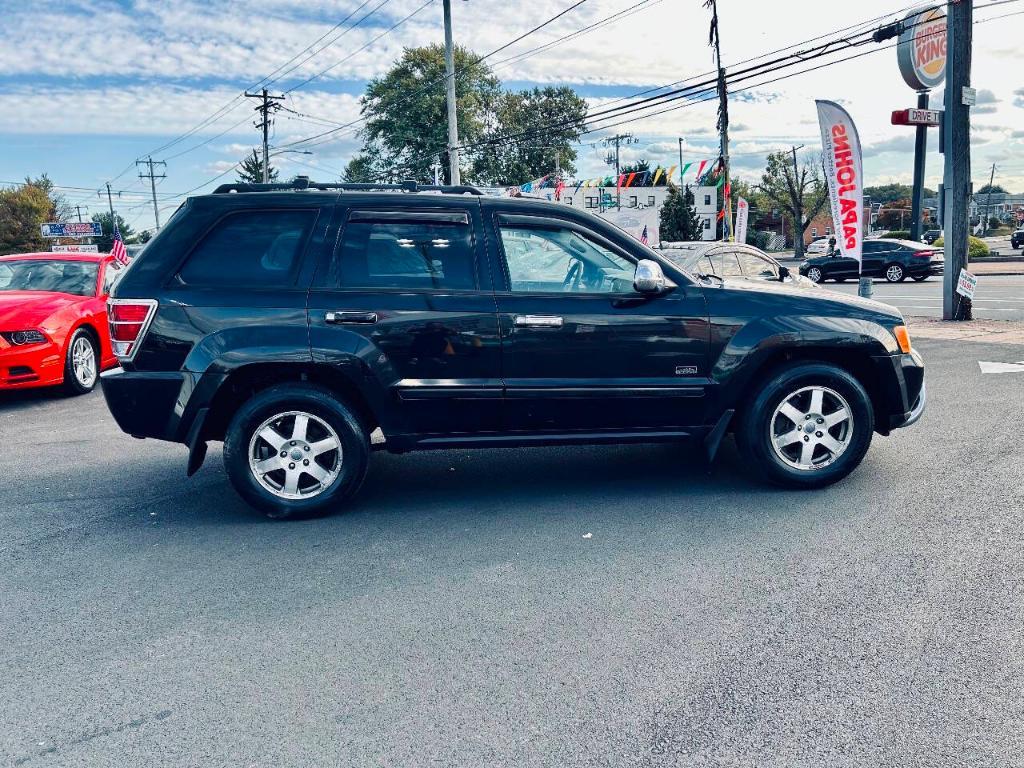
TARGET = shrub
x,y
976,248
898,234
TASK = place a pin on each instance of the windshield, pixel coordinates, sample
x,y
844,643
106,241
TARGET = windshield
x,y
60,276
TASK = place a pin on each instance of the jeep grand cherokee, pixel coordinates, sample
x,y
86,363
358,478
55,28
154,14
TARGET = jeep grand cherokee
x,y
292,321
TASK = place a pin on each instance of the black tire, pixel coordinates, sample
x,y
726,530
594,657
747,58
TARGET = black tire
x,y
895,273
755,428
920,278
816,271
352,460
72,384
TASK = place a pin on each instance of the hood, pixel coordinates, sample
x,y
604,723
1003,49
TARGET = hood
x,y
20,310
802,296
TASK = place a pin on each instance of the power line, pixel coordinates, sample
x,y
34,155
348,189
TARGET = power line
x,y
362,48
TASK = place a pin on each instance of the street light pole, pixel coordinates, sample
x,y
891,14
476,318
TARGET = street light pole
x,y
449,71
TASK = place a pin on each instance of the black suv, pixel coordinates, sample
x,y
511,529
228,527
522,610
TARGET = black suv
x,y
295,322
895,260
1017,238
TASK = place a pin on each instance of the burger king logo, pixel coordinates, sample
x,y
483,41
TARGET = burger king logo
x,y
922,48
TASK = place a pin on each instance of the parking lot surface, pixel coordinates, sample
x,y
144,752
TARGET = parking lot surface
x,y
616,606
998,297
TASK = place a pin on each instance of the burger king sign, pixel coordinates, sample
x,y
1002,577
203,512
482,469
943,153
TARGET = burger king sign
x,y
922,48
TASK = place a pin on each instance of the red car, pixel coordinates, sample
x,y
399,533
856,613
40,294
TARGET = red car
x,y
53,320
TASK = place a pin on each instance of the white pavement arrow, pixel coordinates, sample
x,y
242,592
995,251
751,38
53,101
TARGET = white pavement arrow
x,y
987,367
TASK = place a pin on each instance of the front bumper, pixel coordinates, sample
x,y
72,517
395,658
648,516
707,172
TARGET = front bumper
x,y
902,393
36,365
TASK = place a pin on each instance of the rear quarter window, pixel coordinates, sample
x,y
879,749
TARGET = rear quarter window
x,y
255,249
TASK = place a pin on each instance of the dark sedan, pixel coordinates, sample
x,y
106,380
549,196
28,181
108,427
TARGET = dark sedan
x,y
894,260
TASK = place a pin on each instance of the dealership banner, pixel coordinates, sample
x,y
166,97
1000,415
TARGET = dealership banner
x,y
742,210
844,171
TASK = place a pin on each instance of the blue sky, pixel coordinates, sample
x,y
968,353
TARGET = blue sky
x,y
87,87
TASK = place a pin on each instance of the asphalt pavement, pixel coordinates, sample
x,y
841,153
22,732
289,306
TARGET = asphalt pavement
x,y
604,606
998,297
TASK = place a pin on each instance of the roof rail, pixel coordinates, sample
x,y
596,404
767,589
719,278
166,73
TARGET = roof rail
x,y
303,182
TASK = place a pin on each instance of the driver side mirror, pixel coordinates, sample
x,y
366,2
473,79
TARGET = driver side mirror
x,y
649,278
783,273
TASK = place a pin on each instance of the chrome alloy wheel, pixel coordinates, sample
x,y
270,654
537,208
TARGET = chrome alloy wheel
x,y
295,455
811,428
894,273
814,275
83,361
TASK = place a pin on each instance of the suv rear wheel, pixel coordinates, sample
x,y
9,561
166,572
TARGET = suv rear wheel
x,y
809,427
295,450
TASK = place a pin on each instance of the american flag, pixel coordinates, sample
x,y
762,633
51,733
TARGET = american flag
x,y
117,249
643,235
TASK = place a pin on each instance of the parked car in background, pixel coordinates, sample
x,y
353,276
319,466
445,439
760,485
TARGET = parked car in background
x,y
1017,238
930,236
818,246
293,321
731,260
894,260
53,320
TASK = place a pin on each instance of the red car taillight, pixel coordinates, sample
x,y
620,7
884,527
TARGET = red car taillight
x,y
128,319
924,254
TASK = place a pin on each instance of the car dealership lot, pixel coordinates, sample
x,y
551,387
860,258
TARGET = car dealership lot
x,y
557,606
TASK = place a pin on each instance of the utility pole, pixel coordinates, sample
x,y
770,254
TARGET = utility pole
x,y
266,106
956,177
680,163
798,208
617,139
78,210
723,119
110,202
449,73
988,200
149,161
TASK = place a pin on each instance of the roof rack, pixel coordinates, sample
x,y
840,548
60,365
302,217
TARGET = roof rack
x,y
303,182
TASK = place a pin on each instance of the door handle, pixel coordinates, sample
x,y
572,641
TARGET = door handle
x,y
364,318
538,321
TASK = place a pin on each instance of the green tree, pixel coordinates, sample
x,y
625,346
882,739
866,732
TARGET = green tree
x,y
519,159
106,240
251,171
995,188
360,170
679,219
800,193
22,210
406,112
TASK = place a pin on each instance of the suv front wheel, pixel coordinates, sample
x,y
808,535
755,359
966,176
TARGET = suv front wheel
x,y
294,450
809,427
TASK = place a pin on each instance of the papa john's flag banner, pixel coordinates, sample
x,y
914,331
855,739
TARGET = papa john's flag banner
x,y
844,168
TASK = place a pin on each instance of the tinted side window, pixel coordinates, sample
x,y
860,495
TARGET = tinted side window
x,y
254,249
405,254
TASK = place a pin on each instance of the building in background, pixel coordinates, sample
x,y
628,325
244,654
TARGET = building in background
x,y
642,204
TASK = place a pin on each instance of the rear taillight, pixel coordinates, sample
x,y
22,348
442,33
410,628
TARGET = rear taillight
x,y
128,319
924,254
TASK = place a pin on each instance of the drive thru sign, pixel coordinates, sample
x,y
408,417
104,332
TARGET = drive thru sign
x,y
966,284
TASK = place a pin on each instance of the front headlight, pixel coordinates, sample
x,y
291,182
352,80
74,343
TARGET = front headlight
x,y
20,338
